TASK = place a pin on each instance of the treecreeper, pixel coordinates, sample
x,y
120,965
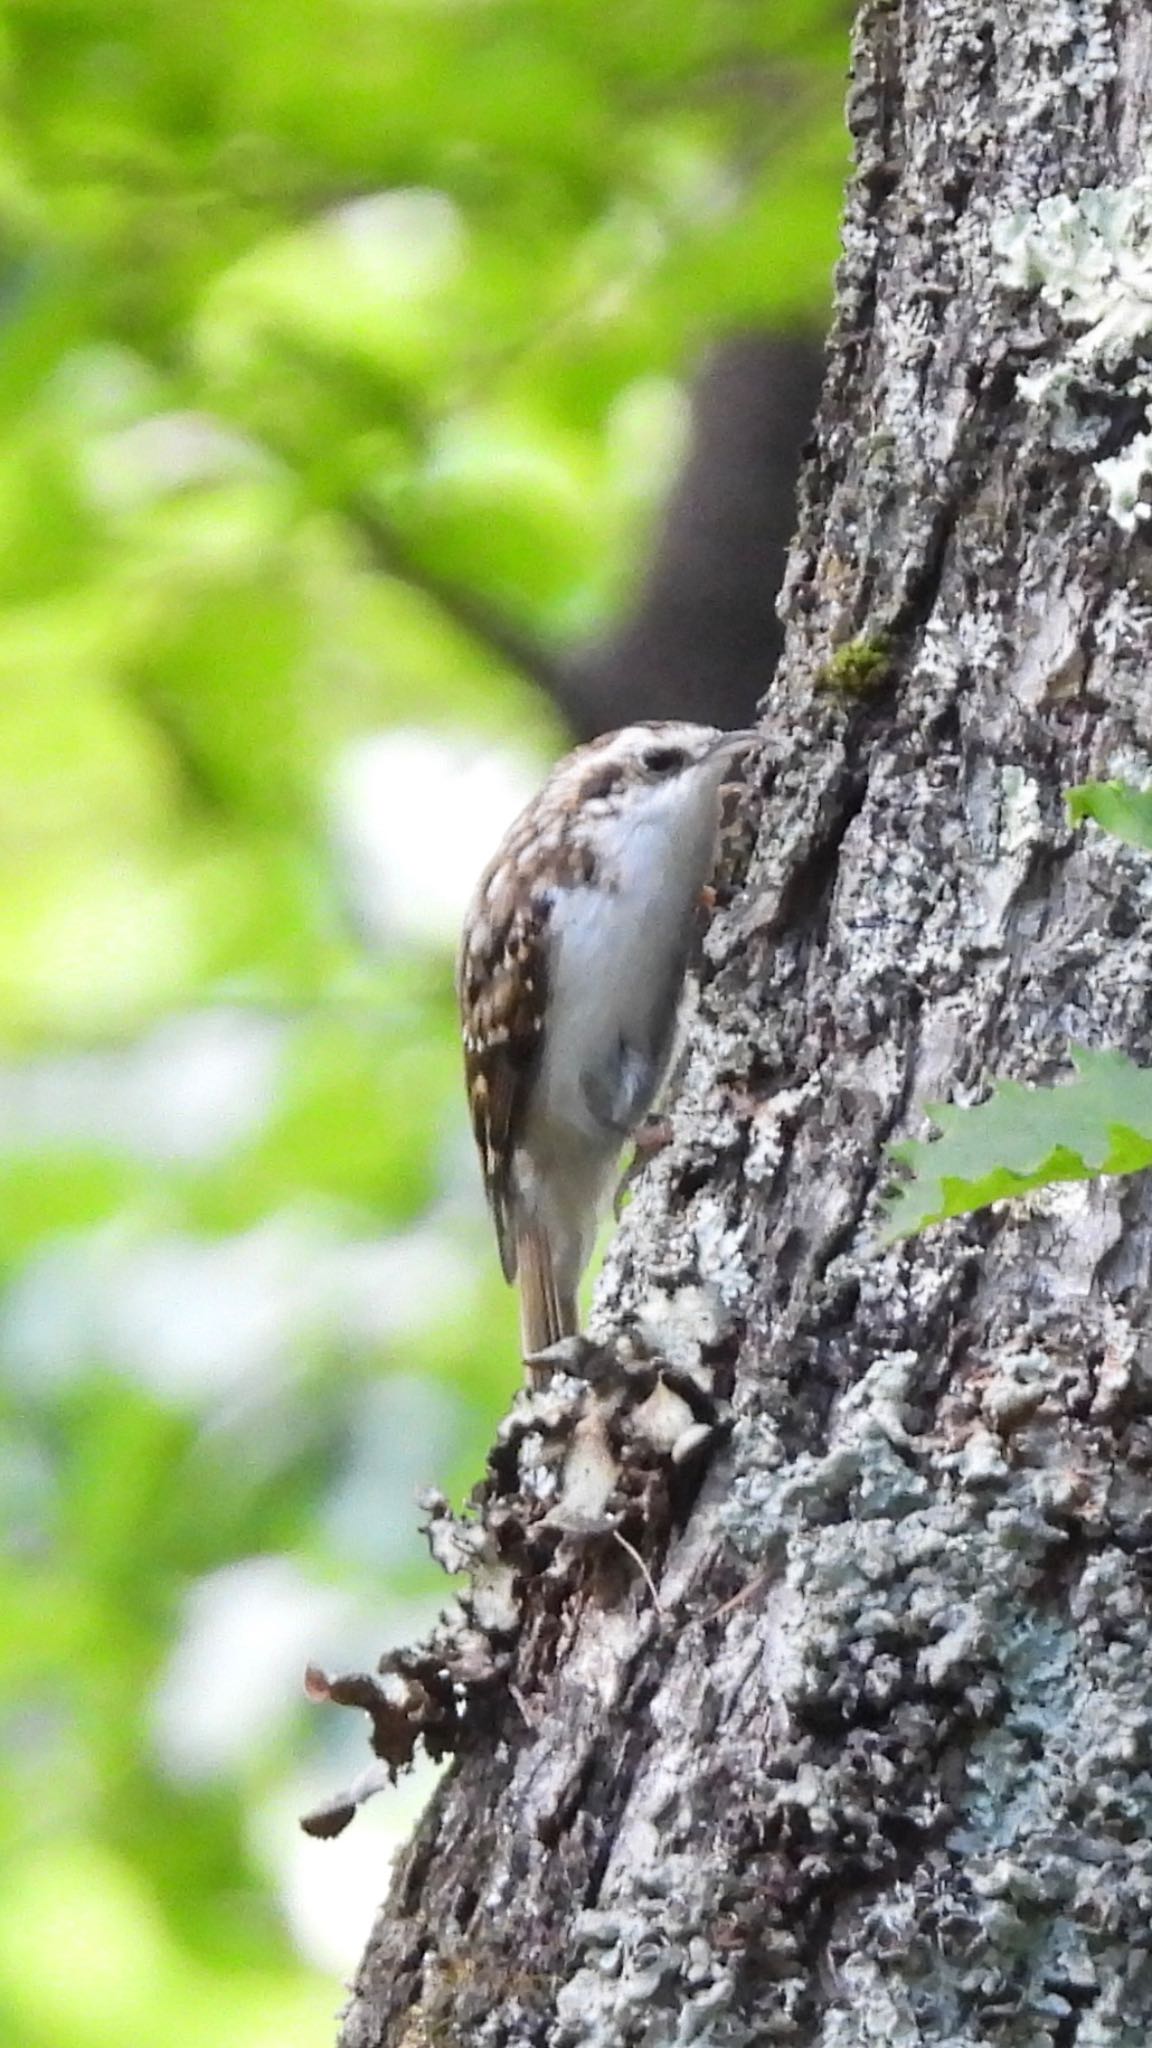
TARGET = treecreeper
x,y
570,978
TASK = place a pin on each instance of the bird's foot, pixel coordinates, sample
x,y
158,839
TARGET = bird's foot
x,y
650,1139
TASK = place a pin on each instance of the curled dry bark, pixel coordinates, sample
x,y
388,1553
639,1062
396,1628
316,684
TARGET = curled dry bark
x,y
875,1763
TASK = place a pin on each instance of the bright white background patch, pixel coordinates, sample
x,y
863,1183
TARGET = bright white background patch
x,y
415,818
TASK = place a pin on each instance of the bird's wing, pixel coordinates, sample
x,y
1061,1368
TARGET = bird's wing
x,y
502,984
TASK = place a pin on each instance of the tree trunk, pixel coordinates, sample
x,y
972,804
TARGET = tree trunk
x,y
834,1726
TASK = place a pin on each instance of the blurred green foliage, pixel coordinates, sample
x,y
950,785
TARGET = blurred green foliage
x,y
307,312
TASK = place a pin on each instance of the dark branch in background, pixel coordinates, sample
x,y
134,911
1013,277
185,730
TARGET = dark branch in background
x,y
702,637
477,615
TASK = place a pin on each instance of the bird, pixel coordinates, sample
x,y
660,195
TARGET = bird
x,y
570,977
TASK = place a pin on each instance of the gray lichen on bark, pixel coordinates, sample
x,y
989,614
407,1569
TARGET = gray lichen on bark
x,y
876,1764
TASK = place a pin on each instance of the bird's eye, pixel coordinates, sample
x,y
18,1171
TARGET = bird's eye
x,y
664,760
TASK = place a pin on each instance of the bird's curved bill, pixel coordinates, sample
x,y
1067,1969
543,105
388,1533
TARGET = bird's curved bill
x,y
729,744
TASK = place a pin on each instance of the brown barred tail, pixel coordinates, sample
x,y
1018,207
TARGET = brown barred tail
x,y
546,1314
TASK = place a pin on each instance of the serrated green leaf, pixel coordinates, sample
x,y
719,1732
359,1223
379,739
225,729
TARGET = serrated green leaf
x,y
1117,808
1026,1137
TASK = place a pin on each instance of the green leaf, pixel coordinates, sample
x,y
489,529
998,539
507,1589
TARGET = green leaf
x,y
1117,808
1026,1137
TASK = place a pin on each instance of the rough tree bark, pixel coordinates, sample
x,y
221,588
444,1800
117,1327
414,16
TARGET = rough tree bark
x,y
852,1743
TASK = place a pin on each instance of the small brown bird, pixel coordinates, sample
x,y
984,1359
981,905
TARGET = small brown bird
x,y
570,975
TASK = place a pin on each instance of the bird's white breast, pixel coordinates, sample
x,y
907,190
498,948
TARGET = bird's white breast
x,y
614,941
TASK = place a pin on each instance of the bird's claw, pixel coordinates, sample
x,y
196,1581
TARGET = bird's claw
x,y
650,1139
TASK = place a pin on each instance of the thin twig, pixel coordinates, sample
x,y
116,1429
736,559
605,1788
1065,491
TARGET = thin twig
x,y
642,1568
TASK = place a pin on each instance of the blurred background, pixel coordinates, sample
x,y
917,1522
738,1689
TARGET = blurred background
x,y
390,391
